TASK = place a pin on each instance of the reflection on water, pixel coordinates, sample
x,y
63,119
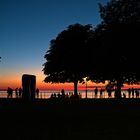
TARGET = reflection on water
x,y
43,94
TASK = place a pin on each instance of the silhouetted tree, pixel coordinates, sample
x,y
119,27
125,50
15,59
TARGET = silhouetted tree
x,y
118,39
66,59
120,11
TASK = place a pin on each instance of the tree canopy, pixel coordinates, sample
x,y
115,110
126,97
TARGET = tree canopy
x,y
67,56
120,11
109,52
118,37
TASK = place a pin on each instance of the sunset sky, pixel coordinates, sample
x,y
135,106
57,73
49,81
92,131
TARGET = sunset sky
x,y
26,28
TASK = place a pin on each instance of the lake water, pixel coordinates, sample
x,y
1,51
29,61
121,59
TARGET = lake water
x,y
45,94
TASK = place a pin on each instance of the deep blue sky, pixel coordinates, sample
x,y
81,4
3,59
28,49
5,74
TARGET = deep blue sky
x,y
27,26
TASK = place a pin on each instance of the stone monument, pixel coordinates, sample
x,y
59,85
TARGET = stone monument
x,y
28,86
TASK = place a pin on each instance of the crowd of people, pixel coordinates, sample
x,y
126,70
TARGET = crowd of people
x,y
129,93
97,93
63,95
133,93
101,93
18,92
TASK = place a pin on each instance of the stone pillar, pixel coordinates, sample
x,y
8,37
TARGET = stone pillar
x,y
28,86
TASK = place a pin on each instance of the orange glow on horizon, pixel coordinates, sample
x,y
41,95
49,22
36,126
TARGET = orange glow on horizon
x,y
15,81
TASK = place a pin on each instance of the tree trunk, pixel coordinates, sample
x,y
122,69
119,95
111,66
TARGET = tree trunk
x,y
75,88
119,85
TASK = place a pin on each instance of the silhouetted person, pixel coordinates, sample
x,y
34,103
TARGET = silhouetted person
x,y
137,93
54,95
80,96
9,92
63,93
133,92
96,92
71,95
129,93
109,92
115,92
51,96
37,92
16,92
124,96
101,93
58,95
20,92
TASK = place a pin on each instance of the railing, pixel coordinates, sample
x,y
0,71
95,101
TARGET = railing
x,y
47,94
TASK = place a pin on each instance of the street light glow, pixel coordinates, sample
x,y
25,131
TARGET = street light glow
x,y
85,80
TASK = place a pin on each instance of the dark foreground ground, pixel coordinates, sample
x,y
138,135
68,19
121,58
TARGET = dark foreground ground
x,y
98,119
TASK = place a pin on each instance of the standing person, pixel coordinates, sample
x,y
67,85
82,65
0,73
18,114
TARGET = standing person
x,y
101,93
124,96
63,93
11,92
133,92
16,92
137,93
8,92
129,93
37,92
96,92
109,91
20,92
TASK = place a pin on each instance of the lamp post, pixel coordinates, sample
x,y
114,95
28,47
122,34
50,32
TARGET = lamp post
x,y
85,79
